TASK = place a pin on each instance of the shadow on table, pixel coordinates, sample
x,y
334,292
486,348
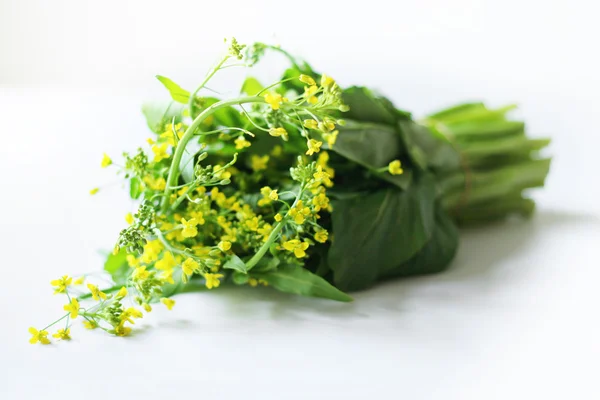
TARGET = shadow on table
x,y
483,259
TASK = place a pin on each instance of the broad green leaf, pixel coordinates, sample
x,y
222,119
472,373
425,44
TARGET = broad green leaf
x,y
116,265
236,264
377,232
428,150
240,278
160,113
436,255
372,146
135,187
251,86
297,280
178,94
366,106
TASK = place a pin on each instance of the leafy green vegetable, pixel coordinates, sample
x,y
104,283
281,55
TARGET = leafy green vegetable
x,y
177,93
236,264
116,266
251,86
160,113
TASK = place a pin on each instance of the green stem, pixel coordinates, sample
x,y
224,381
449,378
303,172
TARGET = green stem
x,y
189,133
273,236
208,77
58,320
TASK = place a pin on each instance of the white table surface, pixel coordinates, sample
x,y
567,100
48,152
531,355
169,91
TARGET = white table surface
x,y
516,317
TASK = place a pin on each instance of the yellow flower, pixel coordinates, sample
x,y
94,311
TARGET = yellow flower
x,y
147,307
307,79
132,261
79,281
274,100
63,334
151,251
265,231
253,282
189,227
150,141
309,94
278,217
122,330
157,184
140,273
259,163
129,313
73,308
106,161
331,137
61,284
299,212
90,324
189,266
160,152
313,146
321,175
321,236
277,132
326,81
167,276
96,293
320,201
129,218
122,292
167,262
94,191
169,303
241,142
277,151
252,224
297,247
310,124
395,168
212,280
169,133
38,336
224,245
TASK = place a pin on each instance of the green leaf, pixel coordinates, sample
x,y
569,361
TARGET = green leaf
x,y
428,150
178,94
297,280
135,187
227,116
377,232
160,113
236,264
169,289
116,265
372,146
251,86
240,278
437,253
187,164
368,107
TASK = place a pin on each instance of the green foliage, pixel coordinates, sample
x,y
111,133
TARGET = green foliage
x,y
116,266
235,263
177,93
160,113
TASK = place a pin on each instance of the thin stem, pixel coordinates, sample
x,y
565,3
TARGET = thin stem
x,y
58,320
208,77
189,133
274,233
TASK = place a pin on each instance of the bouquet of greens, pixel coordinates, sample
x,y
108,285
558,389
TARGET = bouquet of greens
x,y
301,186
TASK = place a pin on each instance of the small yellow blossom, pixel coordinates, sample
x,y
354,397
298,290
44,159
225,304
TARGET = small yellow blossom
x,y
321,236
96,293
224,245
395,168
122,330
212,280
94,191
265,231
63,334
129,313
258,163
309,94
79,281
331,137
167,262
90,324
129,218
310,124
279,132
122,292
327,81
252,224
38,336
299,212
147,307
241,142
140,273
150,141
321,175
160,152
189,227
132,260
73,308
274,100
167,276
253,282
313,146
106,161
169,303
157,184
307,79
169,135
297,247
189,266
61,284
278,217
320,201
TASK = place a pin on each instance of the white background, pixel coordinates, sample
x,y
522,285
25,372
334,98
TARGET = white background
x,y
516,316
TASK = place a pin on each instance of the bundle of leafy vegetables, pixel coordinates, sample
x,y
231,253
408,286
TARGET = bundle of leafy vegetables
x,y
301,186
